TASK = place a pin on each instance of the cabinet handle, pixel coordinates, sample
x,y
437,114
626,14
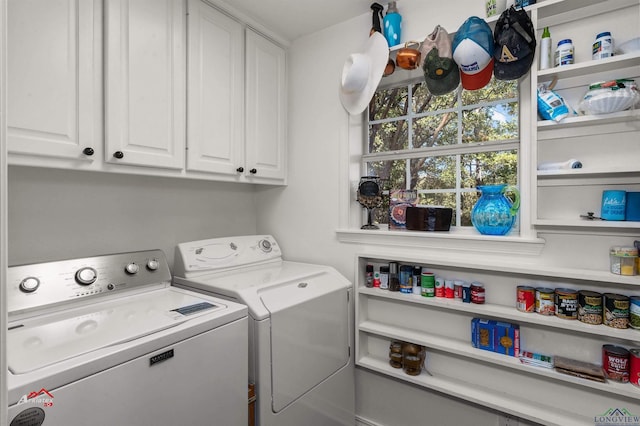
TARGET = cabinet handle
x,y
253,171
88,151
240,169
118,154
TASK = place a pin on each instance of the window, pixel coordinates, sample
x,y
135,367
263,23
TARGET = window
x,y
443,146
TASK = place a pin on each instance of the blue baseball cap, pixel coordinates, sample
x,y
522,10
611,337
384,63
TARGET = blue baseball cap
x,y
473,52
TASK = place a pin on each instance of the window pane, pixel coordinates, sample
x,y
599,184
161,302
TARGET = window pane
x,y
495,122
489,168
494,91
423,101
394,173
391,136
433,173
467,201
389,103
435,130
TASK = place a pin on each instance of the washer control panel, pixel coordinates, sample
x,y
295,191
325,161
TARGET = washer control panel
x,y
218,254
41,284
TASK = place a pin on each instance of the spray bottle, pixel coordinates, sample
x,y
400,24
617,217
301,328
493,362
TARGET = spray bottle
x,y
392,22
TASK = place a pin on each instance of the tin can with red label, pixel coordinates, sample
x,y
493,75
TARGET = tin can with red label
x,y
615,362
634,366
526,298
477,293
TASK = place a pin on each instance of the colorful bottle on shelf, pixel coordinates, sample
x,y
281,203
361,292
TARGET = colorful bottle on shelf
x,y
545,50
564,53
392,23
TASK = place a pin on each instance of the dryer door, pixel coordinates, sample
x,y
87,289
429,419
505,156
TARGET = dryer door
x,y
309,334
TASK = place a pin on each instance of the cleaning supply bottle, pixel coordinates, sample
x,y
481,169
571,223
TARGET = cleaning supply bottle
x,y
392,22
545,50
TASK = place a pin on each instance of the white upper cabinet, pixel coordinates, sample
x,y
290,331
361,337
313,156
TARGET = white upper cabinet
x,y
265,110
215,91
145,82
53,79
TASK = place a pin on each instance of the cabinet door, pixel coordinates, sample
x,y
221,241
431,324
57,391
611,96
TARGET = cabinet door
x,y
53,87
266,109
145,82
215,93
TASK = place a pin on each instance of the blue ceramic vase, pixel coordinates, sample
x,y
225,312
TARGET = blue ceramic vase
x,y
494,213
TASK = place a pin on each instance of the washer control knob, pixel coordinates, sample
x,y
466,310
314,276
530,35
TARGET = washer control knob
x,y
132,268
86,275
265,246
153,264
29,284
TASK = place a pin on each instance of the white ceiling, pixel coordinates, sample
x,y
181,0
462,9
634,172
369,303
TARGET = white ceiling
x,y
295,18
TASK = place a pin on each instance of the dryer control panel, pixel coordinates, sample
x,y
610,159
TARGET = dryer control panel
x,y
220,254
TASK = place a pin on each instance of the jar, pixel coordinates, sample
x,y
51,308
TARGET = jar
x,y
603,46
477,293
623,260
564,53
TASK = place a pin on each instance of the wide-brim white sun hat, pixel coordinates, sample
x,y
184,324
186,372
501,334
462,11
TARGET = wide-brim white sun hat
x,y
362,73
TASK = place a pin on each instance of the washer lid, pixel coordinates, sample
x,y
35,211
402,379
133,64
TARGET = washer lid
x,y
47,340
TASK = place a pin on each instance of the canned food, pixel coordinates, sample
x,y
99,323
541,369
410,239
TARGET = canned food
x,y
449,289
616,310
439,287
466,293
457,289
634,312
634,366
428,284
545,301
590,307
477,293
615,363
566,303
526,297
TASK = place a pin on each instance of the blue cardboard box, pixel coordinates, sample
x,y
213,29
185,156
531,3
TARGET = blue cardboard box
x,y
495,336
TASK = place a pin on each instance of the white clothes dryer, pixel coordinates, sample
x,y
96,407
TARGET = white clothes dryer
x,y
108,341
300,326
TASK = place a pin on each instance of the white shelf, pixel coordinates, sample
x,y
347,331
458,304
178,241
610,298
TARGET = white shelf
x,y
568,173
507,313
589,120
484,396
465,349
585,223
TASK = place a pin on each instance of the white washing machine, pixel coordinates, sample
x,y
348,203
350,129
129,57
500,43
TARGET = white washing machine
x,y
108,341
300,326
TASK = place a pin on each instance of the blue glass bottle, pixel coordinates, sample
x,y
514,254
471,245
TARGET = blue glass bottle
x,y
392,22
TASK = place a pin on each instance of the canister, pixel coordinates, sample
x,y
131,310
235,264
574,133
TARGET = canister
x,y
564,53
384,277
634,312
615,363
623,260
613,204
525,298
416,279
477,293
566,303
603,46
439,287
545,301
590,307
428,284
405,279
457,289
449,289
616,310
466,293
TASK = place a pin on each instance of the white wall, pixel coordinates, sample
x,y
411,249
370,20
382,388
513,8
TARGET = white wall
x,y
305,215
58,214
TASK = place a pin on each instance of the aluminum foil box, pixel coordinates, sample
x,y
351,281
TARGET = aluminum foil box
x,y
495,336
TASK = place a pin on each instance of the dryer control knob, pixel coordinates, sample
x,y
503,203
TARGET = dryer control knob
x,y
86,276
132,268
153,264
265,246
29,284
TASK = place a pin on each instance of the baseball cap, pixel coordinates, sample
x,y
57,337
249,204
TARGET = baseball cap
x,y
441,73
473,52
515,44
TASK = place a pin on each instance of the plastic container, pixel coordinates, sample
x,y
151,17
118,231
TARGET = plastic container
x,y
613,204
564,53
623,260
546,57
603,46
392,23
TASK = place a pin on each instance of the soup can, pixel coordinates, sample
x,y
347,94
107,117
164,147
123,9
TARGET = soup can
x,y
439,287
616,310
634,312
566,303
545,301
615,362
634,366
590,307
477,293
525,298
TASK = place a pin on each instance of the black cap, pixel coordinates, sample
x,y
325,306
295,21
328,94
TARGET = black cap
x,y
514,44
